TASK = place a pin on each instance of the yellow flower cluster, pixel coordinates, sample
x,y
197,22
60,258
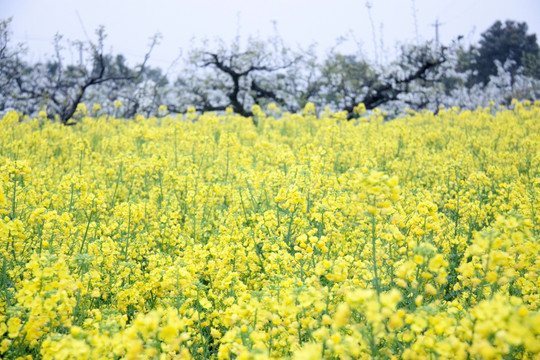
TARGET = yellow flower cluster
x,y
204,236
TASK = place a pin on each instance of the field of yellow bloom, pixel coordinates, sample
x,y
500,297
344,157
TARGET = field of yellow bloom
x,y
304,237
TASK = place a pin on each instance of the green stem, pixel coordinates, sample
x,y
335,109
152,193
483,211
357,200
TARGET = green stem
x,y
374,253
14,199
86,231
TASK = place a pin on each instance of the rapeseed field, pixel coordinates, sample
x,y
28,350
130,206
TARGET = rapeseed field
x,y
305,236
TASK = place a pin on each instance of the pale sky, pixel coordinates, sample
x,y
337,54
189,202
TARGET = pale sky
x,y
130,23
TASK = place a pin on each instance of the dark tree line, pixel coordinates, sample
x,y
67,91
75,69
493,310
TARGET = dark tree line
x,y
239,76
502,42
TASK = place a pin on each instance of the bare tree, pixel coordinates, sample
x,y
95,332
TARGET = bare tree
x,y
68,93
62,87
11,65
348,80
416,65
230,77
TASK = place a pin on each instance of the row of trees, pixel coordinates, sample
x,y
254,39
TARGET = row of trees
x,y
505,64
